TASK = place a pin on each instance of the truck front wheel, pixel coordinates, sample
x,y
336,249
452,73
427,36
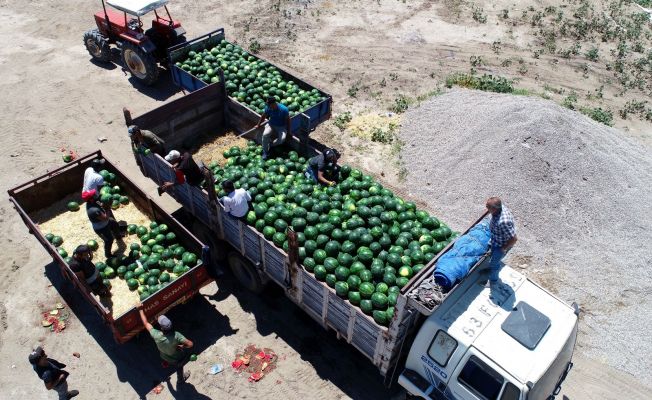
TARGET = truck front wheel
x,y
245,272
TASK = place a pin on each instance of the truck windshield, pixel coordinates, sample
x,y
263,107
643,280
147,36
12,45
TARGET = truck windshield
x,y
481,379
548,382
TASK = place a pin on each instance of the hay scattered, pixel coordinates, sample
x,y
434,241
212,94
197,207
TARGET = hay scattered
x,y
365,125
76,229
212,149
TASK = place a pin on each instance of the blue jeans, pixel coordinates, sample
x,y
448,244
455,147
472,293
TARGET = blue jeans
x,y
495,263
310,174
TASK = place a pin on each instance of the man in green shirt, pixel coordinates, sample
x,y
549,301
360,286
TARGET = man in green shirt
x,y
147,139
171,344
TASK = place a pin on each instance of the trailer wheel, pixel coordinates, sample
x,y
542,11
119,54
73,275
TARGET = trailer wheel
x,y
97,45
245,272
141,65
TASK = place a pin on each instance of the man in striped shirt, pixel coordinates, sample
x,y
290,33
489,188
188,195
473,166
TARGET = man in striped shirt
x,y
503,236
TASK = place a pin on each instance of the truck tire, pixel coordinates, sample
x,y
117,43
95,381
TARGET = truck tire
x,y
97,45
245,272
140,64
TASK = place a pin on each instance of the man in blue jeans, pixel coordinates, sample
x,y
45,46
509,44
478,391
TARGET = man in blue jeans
x,y
279,125
503,237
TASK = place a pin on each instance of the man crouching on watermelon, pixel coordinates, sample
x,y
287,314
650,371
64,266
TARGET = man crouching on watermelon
x,y
323,168
279,124
171,344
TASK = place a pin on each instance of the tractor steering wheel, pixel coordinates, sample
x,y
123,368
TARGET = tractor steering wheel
x,y
135,24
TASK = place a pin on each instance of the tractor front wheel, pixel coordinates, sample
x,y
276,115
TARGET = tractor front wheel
x,y
141,64
97,45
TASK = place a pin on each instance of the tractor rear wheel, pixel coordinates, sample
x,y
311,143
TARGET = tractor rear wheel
x,y
97,45
141,64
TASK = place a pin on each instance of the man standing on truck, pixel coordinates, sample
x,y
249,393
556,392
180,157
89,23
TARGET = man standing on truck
x,y
171,344
85,270
503,237
146,139
279,124
92,179
323,168
186,170
103,225
236,201
52,373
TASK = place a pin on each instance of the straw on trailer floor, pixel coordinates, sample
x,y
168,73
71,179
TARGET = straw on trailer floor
x,y
212,148
75,229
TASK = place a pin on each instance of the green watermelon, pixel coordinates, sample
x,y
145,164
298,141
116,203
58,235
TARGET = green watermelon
x,y
354,297
73,206
57,240
331,280
332,248
380,317
132,284
366,306
379,301
366,290
353,281
342,289
320,272
342,273
331,265
319,256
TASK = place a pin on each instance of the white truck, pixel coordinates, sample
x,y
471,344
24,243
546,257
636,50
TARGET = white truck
x,y
516,346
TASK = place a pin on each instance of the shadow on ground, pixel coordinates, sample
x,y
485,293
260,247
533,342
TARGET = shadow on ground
x,y
162,90
334,360
137,362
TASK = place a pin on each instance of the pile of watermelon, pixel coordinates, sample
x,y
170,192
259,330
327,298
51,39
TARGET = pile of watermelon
x,y
149,266
356,236
112,194
152,264
249,79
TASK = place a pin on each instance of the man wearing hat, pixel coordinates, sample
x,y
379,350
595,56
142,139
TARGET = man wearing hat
x,y
323,168
86,271
92,179
51,372
279,124
236,201
171,344
146,139
185,170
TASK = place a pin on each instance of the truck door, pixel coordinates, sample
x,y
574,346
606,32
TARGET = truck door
x,y
476,377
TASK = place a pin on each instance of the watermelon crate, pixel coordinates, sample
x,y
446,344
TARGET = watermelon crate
x,y
38,197
258,257
249,79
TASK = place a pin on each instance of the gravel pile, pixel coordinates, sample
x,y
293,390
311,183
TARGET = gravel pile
x,y
581,193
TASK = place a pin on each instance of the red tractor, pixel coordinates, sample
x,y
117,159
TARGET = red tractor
x,y
140,49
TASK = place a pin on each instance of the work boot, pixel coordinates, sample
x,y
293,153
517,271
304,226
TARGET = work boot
x,y
72,394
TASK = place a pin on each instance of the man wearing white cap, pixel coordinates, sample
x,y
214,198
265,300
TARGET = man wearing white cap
x,y
146,139
185,170
171,344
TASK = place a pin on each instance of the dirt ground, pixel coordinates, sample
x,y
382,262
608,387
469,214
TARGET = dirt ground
x,y
55,98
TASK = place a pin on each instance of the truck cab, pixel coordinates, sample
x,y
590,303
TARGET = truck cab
x,y
515,346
